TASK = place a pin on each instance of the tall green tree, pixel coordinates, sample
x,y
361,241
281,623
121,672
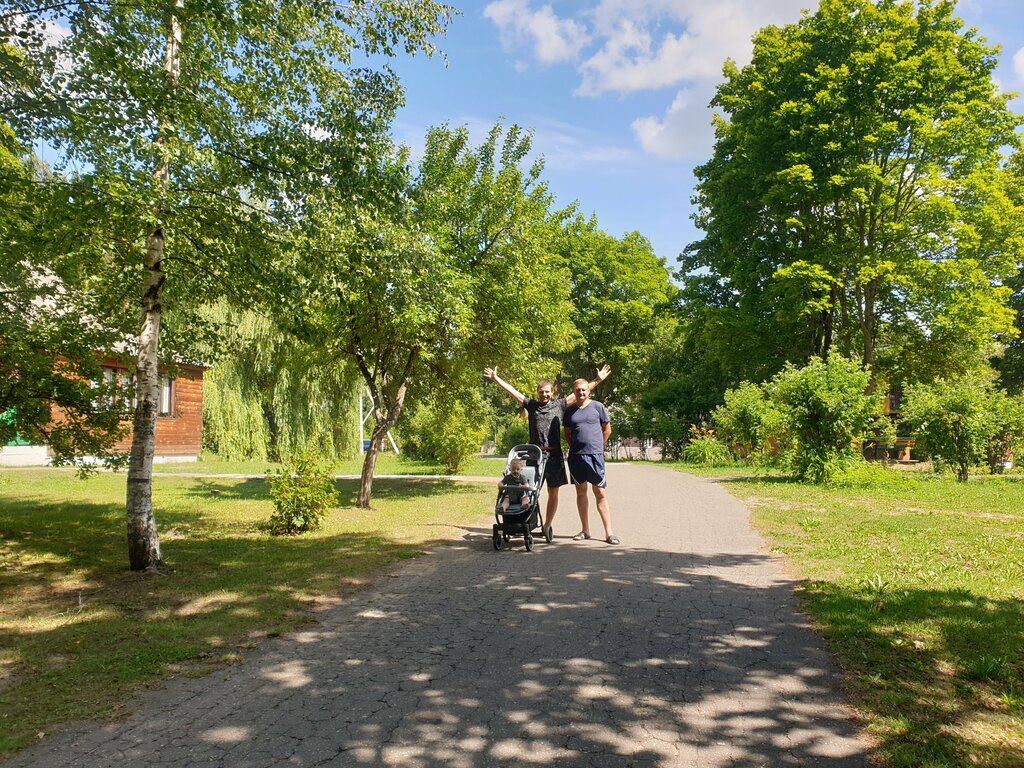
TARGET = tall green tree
x,y
1011,363
204,135
459,276
850,200
620,291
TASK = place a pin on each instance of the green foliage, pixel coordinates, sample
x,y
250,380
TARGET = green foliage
x,y
456,276
748,421
516,432
872,475
51,346
620,292
857,199
447,431
302,493
703,447
964,422
270,395
826,411
1005,438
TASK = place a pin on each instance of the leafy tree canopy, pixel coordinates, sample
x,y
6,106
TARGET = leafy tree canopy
x,y
855,198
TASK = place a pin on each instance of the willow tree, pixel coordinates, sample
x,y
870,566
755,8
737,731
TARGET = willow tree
x,y
848,202
270,394
459,275
202,133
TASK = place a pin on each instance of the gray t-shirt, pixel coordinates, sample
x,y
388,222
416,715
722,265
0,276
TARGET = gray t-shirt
x,y
546,422
587,427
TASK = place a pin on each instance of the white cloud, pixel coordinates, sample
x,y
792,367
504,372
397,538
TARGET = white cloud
x,y
685,131
627,46
552,39
1018,64
677,42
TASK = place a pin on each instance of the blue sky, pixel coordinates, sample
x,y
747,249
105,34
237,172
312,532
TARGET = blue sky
x,y
616,91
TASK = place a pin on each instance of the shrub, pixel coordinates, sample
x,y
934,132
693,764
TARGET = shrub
x,y
669,431
1005,432
302,493
448,433
748,421
826,412
515,433
963,422
457,437
704,448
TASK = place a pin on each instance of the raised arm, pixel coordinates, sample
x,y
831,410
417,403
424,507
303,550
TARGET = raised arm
x,y
602,373
492,374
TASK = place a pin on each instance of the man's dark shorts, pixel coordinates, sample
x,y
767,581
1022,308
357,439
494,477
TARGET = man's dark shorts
x,y
587,468
554,472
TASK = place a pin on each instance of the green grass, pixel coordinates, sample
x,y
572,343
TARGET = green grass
x,y
918,585
387,464
79,632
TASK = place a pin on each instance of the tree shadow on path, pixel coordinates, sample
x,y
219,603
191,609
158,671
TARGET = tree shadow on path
x,y
576,655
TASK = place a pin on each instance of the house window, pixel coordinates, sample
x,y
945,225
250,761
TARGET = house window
x,y
166,396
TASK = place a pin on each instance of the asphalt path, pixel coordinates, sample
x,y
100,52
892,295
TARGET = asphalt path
x,y
680,647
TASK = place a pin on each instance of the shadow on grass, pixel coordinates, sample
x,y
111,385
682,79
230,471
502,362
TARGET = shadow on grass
x,y
934,696
74,613
384,489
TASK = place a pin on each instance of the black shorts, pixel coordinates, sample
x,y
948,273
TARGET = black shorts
x,y
554,472
588,468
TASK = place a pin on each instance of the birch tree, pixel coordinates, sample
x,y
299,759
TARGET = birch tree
x,y
200,136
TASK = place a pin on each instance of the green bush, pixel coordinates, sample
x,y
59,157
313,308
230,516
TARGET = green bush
x,y
302,493
748,421
1005,433
448,433
826,412
516,433
704,448
964,422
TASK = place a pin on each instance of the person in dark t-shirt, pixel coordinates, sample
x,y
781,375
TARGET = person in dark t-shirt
x,y
587,429
545,418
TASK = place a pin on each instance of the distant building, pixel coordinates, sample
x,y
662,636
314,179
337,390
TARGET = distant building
x,y
179,424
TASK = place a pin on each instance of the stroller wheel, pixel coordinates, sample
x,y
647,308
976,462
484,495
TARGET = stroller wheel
x,y
549,534
529,542
496,539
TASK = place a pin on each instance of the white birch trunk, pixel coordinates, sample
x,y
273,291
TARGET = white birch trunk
x,y
143,541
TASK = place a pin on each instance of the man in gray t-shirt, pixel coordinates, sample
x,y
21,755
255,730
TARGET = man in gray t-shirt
x,y
587,429
545,418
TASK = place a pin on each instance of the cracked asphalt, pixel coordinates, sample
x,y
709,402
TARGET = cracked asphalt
x,y
681,647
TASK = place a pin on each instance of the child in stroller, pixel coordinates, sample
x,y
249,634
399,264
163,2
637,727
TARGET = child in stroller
x,y
517,511
514,485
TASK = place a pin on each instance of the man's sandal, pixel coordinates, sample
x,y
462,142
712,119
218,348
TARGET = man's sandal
x,y
581,536
613,540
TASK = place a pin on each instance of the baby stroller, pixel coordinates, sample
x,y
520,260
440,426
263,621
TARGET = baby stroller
x,y
522,519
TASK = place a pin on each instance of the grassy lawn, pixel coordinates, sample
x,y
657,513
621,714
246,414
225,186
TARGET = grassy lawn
x,y
918,585
79,632
387,464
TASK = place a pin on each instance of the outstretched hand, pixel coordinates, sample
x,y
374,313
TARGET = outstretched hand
x,y
491,373
604,372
